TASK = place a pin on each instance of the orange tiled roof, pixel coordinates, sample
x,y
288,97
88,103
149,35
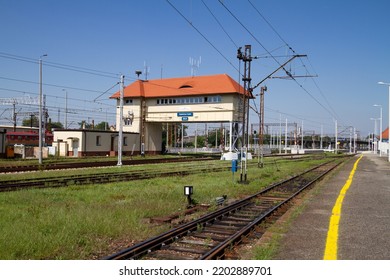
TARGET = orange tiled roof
x,y
186,86
385,134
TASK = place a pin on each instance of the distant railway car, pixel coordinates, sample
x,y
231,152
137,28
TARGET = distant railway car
x,y
27,138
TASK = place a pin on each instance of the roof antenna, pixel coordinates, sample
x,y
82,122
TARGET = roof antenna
x,y
146,70
138,73
195,65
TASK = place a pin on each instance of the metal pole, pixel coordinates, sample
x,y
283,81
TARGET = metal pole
x,y
380,136
388,141
374,147
302,136
388,130
120,134
182,136
380,129
261,128
280,133
40,111
196,138
285,139
66,109
14,115
216,138
230,135
375,136
167,137
335,141
350,140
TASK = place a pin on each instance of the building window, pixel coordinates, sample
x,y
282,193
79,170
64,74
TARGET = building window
x,y
98,140
129,101
124,141
127,121
190,100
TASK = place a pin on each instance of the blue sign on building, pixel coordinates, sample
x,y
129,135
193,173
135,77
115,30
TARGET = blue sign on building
x,y
184,118
185,114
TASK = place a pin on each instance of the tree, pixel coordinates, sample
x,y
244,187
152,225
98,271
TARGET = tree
x,y
85,125
102,126
31,122
99,126
52,125
200,141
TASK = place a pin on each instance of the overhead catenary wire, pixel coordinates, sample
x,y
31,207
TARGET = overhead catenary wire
x,y
274,58
270,25
117,83
30,60
82,68
54,96
51,85
201,34
220,24
334,114
61,66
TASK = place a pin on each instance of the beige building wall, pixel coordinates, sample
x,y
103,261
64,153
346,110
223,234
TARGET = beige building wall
x,y
224,111
95,143
131,115
158,114
153,141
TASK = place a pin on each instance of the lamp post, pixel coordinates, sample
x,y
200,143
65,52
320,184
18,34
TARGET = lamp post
x,y
388,140
40,110
380,128
375,147
66,108
120,133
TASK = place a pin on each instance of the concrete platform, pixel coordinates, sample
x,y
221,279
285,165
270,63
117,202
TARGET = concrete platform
x,y
364,228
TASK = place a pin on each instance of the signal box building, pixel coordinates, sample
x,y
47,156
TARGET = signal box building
x,y
148,105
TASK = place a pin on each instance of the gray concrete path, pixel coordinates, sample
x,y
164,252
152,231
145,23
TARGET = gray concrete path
x,y
364,230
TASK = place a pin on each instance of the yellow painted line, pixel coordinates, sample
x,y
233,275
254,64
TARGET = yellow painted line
x,y
333,232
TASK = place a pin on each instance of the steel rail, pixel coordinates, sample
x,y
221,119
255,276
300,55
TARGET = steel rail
x,y
101,178
219,250
158,242
74,165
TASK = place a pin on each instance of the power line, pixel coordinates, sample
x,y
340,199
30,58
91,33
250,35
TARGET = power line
x,y
61,66
290,48
201,34
250,33
105,91
220,24
51,85
49,95
273,57
269,24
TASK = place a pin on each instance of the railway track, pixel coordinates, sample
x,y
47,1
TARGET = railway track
x,y
106,163
213,235
73,165
103,178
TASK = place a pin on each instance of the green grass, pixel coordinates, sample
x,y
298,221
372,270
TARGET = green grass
x,y
85,222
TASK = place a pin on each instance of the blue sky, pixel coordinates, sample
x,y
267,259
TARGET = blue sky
x,y
346,42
